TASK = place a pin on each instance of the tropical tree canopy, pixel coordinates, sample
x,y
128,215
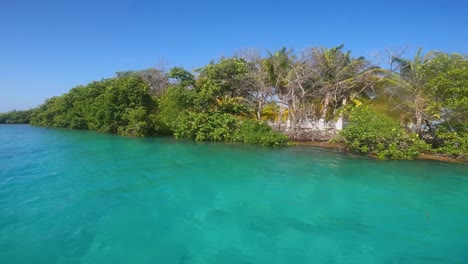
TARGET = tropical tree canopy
x,y
281,94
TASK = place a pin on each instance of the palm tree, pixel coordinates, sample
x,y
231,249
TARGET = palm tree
x,y
329,78
409,86
277,67
338,76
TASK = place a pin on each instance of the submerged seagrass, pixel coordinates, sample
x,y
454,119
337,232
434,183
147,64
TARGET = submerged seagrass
x,y
71,196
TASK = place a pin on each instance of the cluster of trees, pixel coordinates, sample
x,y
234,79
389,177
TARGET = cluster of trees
x,y
15,117
396,111
428,96
119,105
151,102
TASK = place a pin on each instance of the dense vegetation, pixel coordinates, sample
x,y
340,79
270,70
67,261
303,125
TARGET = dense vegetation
x,y
428,97
130,105
119,105
15,117
379,135
392,111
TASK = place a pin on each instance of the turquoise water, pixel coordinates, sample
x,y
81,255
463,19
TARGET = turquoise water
x,y
80,197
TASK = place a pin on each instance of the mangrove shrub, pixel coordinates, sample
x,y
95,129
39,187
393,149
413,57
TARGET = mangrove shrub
x,y
378,135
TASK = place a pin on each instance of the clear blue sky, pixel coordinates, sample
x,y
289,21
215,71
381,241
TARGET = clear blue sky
x,y
48,47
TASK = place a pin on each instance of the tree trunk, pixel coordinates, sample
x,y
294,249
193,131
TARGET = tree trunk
x,y
259,110
326,101
279,121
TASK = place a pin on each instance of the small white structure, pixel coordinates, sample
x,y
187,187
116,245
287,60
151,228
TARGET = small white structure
x,y
339,124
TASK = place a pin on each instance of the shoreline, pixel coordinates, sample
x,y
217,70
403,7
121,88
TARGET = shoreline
x,y
322,144
341,146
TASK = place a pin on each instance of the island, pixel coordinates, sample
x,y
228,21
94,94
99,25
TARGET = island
x,y
396,111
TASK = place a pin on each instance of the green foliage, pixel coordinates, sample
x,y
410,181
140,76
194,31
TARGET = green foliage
x,y
231,105
454,144
229,76
184,78
379,136
452,140
269,112
226,127
255,132
15,117
221,102
136,120
277,67
172,104
205,95
429,88
209,111
120,105
156,79
203,114
205,126
450,93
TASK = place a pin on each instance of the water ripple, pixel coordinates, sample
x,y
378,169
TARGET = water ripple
x,y
80,197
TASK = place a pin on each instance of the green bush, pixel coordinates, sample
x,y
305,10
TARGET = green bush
x,y
205,126
452,141
199,115
255,132
226,127
379,136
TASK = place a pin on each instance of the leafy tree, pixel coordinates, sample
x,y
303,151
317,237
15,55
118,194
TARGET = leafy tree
x,y
157,79
229,76
448,87
323,80
409,92
335,75
277,67
183,77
